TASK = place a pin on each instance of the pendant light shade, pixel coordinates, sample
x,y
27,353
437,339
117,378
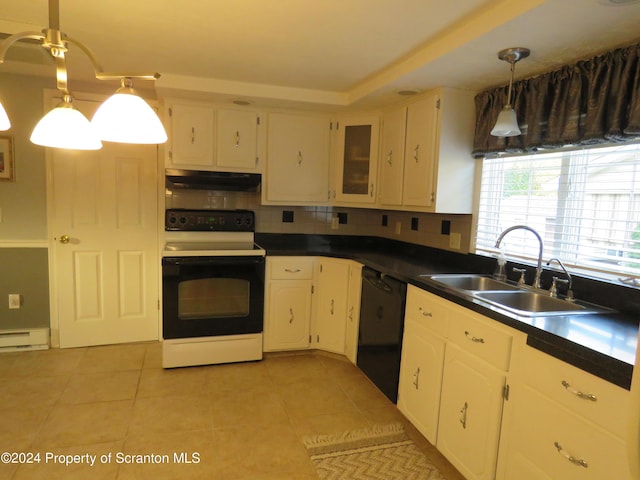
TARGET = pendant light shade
x,y
5,124
507,122
127,118
65,127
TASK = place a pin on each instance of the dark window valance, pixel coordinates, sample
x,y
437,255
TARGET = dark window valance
x,y
591,102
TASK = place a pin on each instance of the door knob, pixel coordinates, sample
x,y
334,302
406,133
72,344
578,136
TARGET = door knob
x,y
64,238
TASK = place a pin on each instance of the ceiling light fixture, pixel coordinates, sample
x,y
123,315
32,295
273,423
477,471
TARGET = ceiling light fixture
x,y
125,117
507,123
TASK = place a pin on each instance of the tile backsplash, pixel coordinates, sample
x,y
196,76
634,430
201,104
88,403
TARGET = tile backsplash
x,y
433,230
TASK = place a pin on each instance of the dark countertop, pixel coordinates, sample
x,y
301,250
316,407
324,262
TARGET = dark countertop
x,y
602,344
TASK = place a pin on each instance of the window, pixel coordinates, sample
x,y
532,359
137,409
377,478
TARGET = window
x,y
585,204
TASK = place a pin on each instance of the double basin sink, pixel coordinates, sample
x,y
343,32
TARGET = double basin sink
x,y
519,300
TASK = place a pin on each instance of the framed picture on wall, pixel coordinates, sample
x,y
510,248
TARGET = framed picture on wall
x,y
6,158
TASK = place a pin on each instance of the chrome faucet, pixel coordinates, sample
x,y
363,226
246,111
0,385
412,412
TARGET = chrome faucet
x,y
536,281
569,281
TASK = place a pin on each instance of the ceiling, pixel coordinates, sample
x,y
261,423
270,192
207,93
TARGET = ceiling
x,y
319,54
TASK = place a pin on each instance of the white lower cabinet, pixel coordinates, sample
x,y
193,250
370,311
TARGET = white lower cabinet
x,y
421,378
562,423
423,346
470,413
353,311
548,441
288,303
331,307
312,302
499,409
453,375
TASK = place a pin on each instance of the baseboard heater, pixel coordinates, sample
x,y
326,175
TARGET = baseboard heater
x,y
24,339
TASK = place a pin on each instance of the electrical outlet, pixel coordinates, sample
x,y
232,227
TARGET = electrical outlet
x,y
14,301
398,228
334,223
454,240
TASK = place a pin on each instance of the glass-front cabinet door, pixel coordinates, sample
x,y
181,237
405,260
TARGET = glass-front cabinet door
x,y
357,159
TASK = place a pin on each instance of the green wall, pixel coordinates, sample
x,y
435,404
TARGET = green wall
x,y
23,208
24,271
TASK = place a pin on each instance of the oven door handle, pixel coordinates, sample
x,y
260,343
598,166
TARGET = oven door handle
x,y
214,260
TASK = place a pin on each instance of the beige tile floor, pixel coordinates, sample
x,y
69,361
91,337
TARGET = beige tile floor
x,y
241,421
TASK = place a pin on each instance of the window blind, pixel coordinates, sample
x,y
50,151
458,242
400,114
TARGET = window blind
x,y
585,204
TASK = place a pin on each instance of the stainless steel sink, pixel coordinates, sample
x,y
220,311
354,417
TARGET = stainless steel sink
x,y
470,282
530,304
519,300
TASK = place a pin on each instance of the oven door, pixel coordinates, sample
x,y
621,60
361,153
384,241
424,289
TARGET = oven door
x,y
212,296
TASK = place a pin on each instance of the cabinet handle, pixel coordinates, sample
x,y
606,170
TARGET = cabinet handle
x,y
193,135
332,304
299,158
292,270
424,312
463,415
417,378
578,393
390,157
415,153
291,315
474,339
237,138
351,313
371,191
576,461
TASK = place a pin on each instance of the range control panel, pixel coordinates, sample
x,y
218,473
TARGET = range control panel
x,y
209,220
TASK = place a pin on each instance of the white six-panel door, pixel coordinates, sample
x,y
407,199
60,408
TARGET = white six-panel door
x,y
106,273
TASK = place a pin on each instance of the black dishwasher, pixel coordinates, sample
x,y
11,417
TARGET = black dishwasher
x,y
380,333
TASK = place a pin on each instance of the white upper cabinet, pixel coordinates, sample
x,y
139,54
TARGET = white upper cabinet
x,y
391,168
237,139
356,160
298,159
203,137
435,172
191,136
420,152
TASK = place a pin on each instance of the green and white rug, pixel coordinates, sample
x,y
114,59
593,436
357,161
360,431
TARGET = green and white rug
x,y
382,452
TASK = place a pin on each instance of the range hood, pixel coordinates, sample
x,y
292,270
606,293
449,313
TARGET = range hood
x,y
205,180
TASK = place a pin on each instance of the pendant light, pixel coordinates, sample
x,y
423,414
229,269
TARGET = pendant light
x,y
5,123
65,127
139,125
507,123
123,121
